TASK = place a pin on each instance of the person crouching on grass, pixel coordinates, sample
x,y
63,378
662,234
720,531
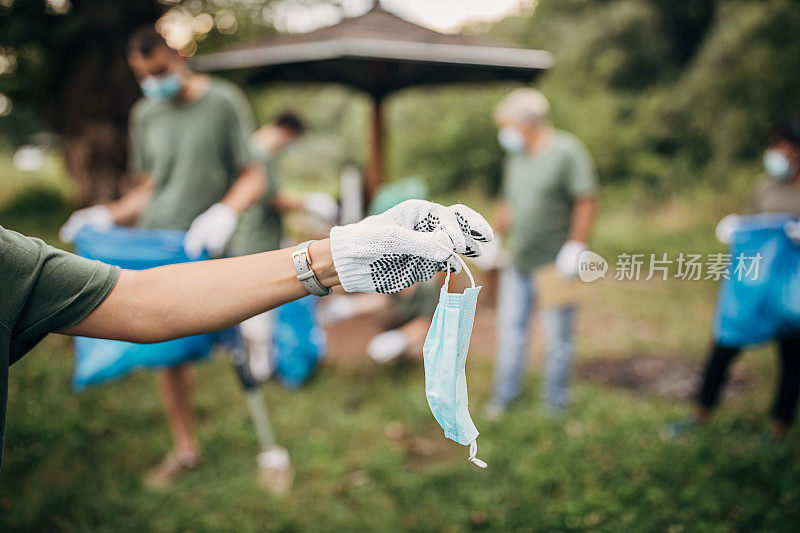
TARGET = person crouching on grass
x,y
46,290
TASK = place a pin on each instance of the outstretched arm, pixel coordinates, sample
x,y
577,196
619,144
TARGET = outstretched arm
x,y
383,253
583,215
178,300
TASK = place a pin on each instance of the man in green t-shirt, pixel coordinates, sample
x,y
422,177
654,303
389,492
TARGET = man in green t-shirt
x,y
43,289
190,148
547,208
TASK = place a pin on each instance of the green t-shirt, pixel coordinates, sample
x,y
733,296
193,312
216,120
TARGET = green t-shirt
x,y
541,190
260,227
42,289
193,152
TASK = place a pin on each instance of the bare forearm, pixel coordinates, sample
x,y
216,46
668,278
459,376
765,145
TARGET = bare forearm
x,y
501,218
179,300
284,202
127,209
247,189
583,215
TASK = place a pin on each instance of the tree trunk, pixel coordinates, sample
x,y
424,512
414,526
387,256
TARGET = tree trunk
x,y
93,91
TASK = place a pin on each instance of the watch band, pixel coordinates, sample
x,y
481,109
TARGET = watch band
x,y
305,274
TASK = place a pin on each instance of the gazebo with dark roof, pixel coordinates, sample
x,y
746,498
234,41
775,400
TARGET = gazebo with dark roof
x,y
378,53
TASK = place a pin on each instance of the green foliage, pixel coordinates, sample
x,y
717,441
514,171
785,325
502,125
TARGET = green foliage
x,y
446,136
742,81
668,94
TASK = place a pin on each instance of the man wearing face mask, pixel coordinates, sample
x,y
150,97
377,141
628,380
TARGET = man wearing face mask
x,y
777,192
190,148
546,211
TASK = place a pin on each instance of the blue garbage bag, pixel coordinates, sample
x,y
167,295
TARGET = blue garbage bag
x,y
299,343
755,309
98,361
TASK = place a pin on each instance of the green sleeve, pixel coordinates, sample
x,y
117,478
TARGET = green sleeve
x,y
273,178
581,176
504,180
240,131
45,289
136,158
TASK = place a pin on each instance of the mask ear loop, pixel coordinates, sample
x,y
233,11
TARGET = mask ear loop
x,y
473,451
473,447
458,257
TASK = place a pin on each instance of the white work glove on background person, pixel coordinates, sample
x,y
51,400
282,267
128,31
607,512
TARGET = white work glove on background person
x,y
491,256
322,205
211,231
404,245
568,258
726,227
792,230
97,216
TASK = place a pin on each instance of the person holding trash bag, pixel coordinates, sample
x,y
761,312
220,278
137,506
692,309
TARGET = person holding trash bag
x,y
48,290
777,192
547,209
190,148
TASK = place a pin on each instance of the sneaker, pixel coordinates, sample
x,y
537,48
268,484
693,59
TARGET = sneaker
x,y
678,429
170,469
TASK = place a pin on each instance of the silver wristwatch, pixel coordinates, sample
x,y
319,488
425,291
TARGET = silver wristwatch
x,y
305,274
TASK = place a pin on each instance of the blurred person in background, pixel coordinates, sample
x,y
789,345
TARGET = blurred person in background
x,y
191,148
777,192
546,211
260,228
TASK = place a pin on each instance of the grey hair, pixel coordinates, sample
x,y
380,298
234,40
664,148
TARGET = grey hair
x,y
523,105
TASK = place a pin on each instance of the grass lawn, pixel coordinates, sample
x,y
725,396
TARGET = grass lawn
x,y
369,456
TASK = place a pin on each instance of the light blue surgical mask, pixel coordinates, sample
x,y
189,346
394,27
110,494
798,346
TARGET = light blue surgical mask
x,y
445,358
777,165
511,140
164,87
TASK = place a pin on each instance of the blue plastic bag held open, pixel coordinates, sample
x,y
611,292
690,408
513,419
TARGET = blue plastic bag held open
x,y
98,361
299,342
755,309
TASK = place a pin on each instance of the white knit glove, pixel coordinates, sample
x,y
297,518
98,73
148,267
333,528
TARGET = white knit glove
x,y
97,216
322,205
211,231
404,245
726,227
567,258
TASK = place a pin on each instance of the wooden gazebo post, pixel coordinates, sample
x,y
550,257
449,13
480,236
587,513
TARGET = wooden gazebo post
x,y
376,149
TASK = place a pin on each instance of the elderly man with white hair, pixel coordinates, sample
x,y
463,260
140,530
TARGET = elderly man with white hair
x,y
546,211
